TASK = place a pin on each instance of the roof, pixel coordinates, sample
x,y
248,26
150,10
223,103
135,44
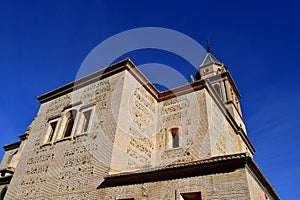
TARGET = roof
x,y
214,165
167,170
210,59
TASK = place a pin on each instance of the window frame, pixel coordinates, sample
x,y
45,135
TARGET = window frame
x,y
67,122
63,125
82,120
51,131
218,90
171,135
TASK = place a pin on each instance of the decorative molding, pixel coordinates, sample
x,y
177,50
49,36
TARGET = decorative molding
x,y
23,136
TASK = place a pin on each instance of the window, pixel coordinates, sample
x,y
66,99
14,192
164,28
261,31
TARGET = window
x,y
14,159
86,120
173,138
51,131
218,90
52,128
190,196
70,118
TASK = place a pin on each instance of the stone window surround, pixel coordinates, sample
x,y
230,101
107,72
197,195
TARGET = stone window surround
x,y
61,120
52,120
170,138
82,110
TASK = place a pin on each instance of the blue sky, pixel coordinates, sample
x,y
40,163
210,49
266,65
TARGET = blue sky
x,y
42,45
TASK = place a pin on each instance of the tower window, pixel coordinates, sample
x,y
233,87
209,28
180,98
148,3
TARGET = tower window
x,y
86,120
70,118
218,90
52,128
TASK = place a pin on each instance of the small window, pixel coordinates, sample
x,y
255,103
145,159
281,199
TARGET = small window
x,y
52,128
191,196
174,136
70,118
218,90
86,120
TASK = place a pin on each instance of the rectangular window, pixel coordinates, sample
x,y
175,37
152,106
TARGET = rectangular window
x,y
175,137
218,90
51,131
86,120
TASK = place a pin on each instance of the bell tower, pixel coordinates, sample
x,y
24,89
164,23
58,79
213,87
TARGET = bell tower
x,y
215,72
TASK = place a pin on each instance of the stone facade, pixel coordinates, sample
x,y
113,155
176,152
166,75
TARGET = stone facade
x,y
112,135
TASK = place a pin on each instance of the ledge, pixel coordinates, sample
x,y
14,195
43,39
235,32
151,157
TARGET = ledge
x,y
24,136
5,180
81,135
63,139
11,146
46,144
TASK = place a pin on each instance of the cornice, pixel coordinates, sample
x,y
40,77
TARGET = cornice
x,y
23,136
11,146
123,65
98,75
5,180
220,164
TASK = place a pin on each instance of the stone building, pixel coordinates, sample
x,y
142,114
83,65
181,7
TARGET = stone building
x,y
113,135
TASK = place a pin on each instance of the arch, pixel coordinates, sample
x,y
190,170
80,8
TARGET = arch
x,y
173,138
69,124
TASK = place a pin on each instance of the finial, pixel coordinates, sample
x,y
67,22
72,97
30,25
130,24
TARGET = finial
x,y
207,46
192,80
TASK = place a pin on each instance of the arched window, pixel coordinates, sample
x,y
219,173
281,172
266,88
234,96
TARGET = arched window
x,y
70,118
173,138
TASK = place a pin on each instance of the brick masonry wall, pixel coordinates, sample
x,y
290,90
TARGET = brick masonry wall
x,y
257,190
128,131
70,168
